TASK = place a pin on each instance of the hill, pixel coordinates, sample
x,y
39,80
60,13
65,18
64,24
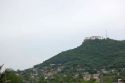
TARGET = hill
x,y
92,53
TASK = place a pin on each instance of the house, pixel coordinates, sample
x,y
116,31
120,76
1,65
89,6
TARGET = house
x,y
96,76
121,81
87,77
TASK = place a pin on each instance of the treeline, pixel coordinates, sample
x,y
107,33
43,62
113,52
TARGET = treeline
x,y
9,76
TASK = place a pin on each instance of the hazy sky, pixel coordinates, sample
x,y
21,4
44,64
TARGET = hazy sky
x,y
32,31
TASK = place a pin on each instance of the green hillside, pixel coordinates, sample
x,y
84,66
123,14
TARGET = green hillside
x,y
94,54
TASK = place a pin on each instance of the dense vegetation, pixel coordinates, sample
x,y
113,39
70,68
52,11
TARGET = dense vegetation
x,y
94,54
102,57
10,76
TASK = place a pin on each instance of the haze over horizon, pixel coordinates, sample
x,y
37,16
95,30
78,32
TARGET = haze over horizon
x,y
32,31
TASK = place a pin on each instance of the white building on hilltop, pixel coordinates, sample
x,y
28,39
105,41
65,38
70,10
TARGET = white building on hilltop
x,y
94,37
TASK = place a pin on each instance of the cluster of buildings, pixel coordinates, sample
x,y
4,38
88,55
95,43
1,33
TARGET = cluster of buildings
x,y
94,37
53,69
48,72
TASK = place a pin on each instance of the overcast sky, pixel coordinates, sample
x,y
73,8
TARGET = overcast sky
x,y
32,31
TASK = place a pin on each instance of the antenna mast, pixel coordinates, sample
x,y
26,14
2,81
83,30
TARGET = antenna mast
x,y
106,33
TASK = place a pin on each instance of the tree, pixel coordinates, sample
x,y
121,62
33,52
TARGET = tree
x,y
10,76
